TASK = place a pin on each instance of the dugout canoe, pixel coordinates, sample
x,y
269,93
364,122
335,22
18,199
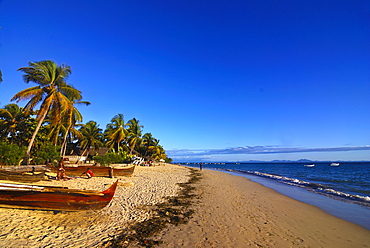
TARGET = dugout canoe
x,y
99,171
24,177
54,198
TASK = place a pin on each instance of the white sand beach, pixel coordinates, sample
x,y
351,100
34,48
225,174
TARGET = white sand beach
x,y
230,211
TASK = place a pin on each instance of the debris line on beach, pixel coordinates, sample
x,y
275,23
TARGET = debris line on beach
x,y
176,210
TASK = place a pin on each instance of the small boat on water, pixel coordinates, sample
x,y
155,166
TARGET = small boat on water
x,y
54,198
99,171
334,164
309,165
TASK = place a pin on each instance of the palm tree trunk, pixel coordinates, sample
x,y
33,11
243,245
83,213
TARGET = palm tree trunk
x,y
64,145
80,156
26,159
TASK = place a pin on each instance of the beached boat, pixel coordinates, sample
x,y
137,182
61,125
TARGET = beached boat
x,y
119,170
54,198
25,168
309,165
24,177
99,171
334,164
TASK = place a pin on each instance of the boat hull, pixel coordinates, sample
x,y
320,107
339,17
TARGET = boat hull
x,y
22,177
54,198
99,171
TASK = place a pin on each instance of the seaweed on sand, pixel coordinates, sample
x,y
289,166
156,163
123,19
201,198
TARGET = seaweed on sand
x,y
174,211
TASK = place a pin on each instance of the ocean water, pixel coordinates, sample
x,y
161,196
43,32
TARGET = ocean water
x,y
342,190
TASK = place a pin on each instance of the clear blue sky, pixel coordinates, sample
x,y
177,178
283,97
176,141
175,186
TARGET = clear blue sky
x,y
213,80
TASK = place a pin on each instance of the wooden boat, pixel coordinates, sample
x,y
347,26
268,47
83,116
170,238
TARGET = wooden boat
x,y
25,168
99,171
54,198
24,177
119,170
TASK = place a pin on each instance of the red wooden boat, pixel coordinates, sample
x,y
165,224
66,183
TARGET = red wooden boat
x,y
54,198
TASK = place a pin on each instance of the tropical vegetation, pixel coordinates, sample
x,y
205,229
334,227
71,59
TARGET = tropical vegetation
x,y
50,125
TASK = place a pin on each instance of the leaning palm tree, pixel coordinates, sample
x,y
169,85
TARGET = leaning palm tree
x,y
116,132
52,92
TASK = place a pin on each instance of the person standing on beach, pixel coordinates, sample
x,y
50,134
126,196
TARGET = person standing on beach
x,y
200,166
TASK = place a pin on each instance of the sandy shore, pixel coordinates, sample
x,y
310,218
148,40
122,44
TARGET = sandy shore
x,y
33,228
235,212
230,211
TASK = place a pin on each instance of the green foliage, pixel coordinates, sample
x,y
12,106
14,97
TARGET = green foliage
x,y
56,122
168,160
47,152
11,154
110,158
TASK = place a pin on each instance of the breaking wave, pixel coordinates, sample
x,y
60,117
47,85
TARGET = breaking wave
x,y
313,187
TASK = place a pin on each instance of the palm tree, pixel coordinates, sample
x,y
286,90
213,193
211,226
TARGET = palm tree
x,y
54,129
134,134
71,117
52,92
1,76
158,152
147,141
116,132
151,148
12,121
91,136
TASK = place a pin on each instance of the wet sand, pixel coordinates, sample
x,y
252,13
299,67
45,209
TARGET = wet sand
x,y
235,212
230,211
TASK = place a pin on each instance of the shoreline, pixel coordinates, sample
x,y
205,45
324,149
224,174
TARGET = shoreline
x,y
226,211
236,212
348,211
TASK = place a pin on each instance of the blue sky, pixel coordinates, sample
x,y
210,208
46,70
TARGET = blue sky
x,y
213,80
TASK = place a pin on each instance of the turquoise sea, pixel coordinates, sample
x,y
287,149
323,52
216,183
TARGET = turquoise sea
x,y
341,189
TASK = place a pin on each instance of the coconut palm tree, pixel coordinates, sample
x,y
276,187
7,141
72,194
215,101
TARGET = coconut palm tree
x,y
134,134
158,152
54,130
52,92
147,142
12,121
91,136
116,132
71,117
